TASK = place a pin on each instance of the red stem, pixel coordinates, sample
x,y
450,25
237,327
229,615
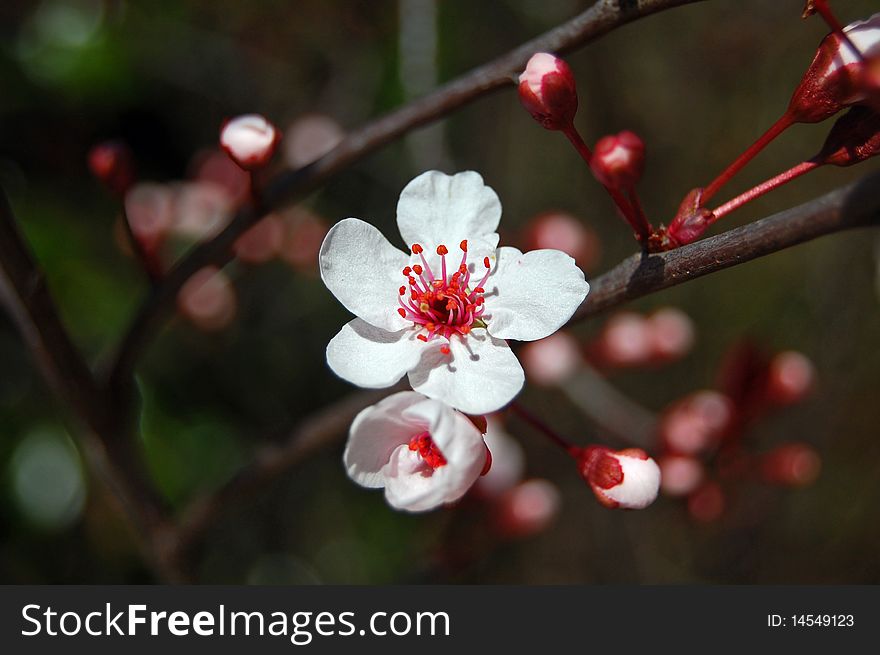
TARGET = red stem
x,y
638,223
761,189
545,429
782,124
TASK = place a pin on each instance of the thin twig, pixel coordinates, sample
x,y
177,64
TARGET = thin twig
x,y
600,19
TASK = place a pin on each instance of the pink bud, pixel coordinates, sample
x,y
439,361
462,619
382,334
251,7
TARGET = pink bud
x,y
627,479
696,423
208,299
560,231
149,209
706,504
790,377
793,464
672,334
625,341
527,509
261,242
548,92
309,138
201,210
619,160
112,164
680,475
249,140
836,77
552,360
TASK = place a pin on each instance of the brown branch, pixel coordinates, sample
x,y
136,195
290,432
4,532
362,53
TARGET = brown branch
x,y
856,205
601,18
24,293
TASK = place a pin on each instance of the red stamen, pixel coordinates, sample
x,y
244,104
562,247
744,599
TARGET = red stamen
x,y
416,249
463,245
442,250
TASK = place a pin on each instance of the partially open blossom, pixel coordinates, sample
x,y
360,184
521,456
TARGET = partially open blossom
x,y
508,460
672,334
836,78
793,464
627,479
207,299
527,509
112,163
310,137
790,377
619,160
249,140
552,360
421,451
261,242
696,423
561,231
442,313
547,90
680,474
149,209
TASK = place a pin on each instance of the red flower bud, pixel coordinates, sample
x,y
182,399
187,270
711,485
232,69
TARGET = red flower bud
x,y
112,164
690,222
854,138
790,377
249,140
836,78
619,160
548,92
628,478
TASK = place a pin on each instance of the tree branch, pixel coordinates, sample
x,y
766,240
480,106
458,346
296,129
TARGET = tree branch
x,y
856,205
600,19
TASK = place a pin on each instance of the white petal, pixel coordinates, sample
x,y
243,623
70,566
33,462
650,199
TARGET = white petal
x,y
374,435
371,357
364,272
410,484
436,208
530,296
478,376
641,482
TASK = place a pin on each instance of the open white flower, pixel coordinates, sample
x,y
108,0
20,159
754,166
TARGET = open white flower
x,y
423,452
440,317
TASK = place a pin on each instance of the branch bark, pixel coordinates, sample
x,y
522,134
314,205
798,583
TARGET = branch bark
x,y
599,19
853,206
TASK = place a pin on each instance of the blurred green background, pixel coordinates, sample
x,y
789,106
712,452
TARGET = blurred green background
x,y
699,83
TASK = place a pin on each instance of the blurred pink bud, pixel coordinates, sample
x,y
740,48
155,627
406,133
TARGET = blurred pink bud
x,y
249,140
201,210
214,167
619,160
560,231
836,78
528,508
691,220
793,464
672,334
305,232
548,92
625,340
309,138
706,504
112,164
627,479
790,377
696,423
149,209
208,299
552,360
261,242
508,461
680,475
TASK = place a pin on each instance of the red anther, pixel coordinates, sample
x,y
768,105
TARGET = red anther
x,y
412,280
486,262
465,329
462,269
417,269
479,290
422,337
445,350
430,327
401,290
402,312
442,250
463,246
407,270
417,249
427,450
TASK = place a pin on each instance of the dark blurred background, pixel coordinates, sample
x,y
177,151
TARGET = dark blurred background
x,y
698,83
